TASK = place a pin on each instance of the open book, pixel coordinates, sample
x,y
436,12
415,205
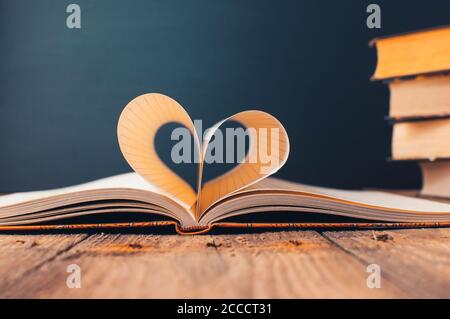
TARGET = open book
x,y
156,192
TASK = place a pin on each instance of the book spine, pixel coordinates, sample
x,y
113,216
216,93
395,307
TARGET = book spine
x,y
334,225
13,228
196,230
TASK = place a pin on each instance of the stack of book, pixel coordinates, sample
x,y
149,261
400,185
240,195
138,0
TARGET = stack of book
x,y
416,67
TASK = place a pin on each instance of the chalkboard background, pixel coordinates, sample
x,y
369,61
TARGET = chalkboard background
x,y
306,62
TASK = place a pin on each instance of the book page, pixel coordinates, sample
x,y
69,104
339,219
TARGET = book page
x,y
375,199
138,124
127,180
268,151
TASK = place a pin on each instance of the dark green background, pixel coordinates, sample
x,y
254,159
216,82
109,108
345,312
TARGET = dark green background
x,y
306,62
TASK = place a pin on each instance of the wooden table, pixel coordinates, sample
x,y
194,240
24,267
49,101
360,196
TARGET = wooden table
x,y
304,264
285,264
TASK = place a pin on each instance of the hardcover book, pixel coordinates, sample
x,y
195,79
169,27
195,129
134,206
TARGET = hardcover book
x,y
420,98
436,178
409,54
423,140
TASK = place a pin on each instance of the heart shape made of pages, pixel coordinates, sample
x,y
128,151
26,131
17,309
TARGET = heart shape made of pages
x,y
140,121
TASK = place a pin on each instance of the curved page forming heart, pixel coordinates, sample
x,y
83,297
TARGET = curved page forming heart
x,y
265,133
143,116
138,124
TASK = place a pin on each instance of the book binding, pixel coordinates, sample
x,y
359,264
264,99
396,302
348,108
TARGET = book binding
x,y
197,230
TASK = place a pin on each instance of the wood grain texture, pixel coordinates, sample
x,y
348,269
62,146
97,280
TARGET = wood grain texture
x,y
22,255
416,260
277,264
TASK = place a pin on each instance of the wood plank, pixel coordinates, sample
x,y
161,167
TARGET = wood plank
x,y
298,264
415,260
259,265
21,255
